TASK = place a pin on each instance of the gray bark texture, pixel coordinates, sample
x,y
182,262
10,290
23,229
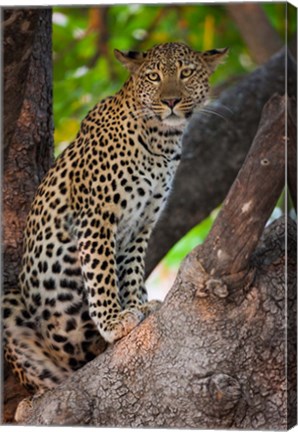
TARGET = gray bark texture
x,y
27,120
27,139
214,149
214,355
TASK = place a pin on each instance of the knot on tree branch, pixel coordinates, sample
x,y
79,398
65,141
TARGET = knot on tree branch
x,y
205,284
219,393
215,286
225,391
227,285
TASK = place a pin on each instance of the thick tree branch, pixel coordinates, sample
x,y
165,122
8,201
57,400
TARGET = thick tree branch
x,y
214,149
261,38
98,23
205,359
236,231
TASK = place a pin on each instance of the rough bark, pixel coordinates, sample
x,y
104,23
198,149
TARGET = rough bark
x,y
210,357
238,217
263,42
214,149
28,139
28,128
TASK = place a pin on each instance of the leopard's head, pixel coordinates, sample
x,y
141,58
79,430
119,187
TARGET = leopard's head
x,y
170,81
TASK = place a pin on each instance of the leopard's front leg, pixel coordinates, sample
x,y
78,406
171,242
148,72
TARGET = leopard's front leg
x,y
98,261
131,269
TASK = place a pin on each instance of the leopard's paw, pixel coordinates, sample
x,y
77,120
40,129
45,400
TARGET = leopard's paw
x,y
149,307
125,322
25,407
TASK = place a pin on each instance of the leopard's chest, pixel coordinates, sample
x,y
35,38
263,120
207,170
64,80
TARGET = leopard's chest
x,y
150,185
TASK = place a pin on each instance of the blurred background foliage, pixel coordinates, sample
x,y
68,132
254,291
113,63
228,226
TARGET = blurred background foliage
x,y
85,69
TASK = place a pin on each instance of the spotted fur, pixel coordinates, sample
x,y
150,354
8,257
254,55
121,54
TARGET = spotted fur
x,y
82,279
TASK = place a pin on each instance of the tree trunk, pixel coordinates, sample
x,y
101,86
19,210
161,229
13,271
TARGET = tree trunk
x,y
28,139
214,355
261,38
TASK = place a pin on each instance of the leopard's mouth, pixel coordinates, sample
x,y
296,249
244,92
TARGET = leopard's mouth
x,y
174,120
173,117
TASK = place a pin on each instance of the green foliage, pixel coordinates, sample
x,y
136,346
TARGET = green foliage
x,y
85,70
192,239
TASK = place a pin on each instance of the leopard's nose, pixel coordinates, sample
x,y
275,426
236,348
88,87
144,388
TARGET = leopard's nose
x,y
171,102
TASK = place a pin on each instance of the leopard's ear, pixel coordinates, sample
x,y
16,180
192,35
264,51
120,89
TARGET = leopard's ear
x,y
214,57
132,60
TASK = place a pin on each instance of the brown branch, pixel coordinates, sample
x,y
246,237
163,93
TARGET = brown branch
x,y
98,23
237,229
261,38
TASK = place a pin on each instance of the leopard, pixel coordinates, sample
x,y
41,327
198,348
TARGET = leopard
x,y
81,284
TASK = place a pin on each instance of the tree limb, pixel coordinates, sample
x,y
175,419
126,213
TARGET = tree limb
x,y
261,38
236,231
98,23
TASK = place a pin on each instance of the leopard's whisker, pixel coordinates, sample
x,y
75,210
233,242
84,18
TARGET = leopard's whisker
x,y
209,111
219,105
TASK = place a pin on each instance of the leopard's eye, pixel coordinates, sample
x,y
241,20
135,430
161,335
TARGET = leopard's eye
x,y
187,72
153,76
